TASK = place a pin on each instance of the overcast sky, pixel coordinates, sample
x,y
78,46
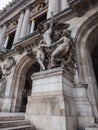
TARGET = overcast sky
x,y
3,3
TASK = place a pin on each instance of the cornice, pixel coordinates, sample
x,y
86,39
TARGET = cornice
x,y
10,7
17,4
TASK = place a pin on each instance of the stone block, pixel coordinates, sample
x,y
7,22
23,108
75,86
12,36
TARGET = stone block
x,y
91,128
85,121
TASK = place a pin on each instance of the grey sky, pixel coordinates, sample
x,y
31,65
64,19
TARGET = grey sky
x,y
3,3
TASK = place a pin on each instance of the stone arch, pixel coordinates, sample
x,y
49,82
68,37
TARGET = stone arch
x,y
84,61
18,81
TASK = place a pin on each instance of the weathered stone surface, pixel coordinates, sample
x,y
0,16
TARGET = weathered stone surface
x,y
51,109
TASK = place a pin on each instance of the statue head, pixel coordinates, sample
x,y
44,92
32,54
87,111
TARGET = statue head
x,y
47,26
57,36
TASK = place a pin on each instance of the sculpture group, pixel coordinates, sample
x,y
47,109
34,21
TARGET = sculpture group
x,y
55,48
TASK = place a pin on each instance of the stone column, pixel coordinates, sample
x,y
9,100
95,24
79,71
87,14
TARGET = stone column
x,y
6,42
32,26
2,35
54,5
63,4
25,23
18,30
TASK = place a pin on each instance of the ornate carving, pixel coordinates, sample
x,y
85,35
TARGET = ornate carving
x,y
9,64
4,73
80,7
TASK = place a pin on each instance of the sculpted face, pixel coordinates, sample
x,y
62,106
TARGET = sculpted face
x,y
9,63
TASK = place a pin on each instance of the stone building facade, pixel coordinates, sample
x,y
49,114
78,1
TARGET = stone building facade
x,y
54,99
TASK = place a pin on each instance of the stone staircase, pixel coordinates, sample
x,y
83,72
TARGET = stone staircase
x,y
14,122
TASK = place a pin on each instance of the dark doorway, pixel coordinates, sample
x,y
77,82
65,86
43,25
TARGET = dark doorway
x,y
28,86
95,62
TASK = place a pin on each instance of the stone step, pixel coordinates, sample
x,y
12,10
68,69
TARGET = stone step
x,y
11,116
5,124
27,127
91,128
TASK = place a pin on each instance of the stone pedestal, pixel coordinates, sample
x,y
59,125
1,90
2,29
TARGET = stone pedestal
x,y
51,105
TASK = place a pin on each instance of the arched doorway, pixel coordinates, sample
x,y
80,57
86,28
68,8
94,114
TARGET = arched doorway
x,y
27,88
86,42
22,83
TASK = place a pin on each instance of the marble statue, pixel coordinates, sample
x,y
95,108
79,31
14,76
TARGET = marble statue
x,y
46,32
61,50
4,73
54,51
40,56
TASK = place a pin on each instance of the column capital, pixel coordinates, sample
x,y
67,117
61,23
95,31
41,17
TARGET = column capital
x,y
7,35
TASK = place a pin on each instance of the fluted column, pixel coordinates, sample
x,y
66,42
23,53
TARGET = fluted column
x,y
2,35
54,5
25,23
18,30
6,42
32,26
63,4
